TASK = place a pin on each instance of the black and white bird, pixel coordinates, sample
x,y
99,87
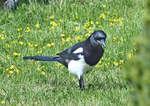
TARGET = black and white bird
x,y
81,55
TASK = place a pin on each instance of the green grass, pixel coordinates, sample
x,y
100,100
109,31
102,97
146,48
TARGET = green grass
x,y
48,83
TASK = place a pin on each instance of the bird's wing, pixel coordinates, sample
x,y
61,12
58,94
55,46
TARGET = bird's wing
x,y
68,53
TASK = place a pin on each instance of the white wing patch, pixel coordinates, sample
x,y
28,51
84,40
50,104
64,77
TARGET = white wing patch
x,y
79,50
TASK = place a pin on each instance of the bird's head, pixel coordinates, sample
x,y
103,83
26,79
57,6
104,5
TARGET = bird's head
x,y
98,38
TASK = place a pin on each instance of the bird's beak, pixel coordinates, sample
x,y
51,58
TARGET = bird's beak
x,y
102,43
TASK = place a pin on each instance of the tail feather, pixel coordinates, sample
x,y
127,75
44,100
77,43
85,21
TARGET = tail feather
x,y
42,58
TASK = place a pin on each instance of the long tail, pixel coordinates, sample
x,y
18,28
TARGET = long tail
x,y
42,58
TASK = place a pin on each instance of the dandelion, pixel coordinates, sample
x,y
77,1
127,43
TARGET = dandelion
x,y
97,22
21,43
12,67
111,24
30,45
8,57
103,16
3,32
92,22
16,70
53,24
28,29
129,55
77,28
78,38
116,63
52,17
35,45
114,38
104,6
58,65
68,39
77,17
19,29
39,51
43,73
2,102
63,40
120,24
39,30
38,69
121,61
37,26
62,35
16,54
11,72
50,44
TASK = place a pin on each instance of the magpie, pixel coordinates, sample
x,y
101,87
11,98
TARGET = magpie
x,y
81,55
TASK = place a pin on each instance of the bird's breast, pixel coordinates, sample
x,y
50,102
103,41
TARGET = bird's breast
x,y
93,56
77,67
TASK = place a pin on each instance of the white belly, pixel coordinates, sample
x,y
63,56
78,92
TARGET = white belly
x,y
77,67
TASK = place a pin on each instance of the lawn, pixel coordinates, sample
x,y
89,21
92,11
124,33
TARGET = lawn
x,y
47,29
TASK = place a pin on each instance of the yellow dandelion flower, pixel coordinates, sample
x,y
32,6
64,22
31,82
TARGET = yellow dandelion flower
x,y
12,67
53,24
114,38
58,64
2,37
111,24
8,57
37,25
16,54
39,51
30,45
97,22
120,24
11,72
92,22
77,17
19,29
121,61
21,43
38,69
62,35
28,29
35,45
52,17
77,28
16,70
3,32
43,73
116,63
103,16
39,30
78,38
50,44
68,39
129,55
2,102
104,6
63,40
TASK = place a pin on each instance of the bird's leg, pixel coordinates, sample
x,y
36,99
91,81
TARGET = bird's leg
x,y
81,83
